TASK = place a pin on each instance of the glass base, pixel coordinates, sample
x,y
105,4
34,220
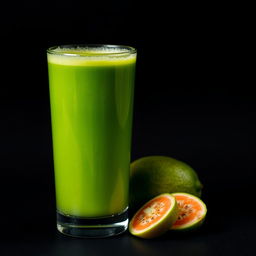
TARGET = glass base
x,y
92,227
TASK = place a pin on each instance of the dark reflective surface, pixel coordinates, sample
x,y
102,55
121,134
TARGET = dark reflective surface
x,y
221,151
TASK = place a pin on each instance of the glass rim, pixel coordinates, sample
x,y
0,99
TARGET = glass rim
x,y
122,50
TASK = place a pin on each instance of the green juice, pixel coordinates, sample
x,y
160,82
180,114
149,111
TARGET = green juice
x,y
91,94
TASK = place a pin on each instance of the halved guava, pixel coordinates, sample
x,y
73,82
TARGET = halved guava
x,y
155,217
192,212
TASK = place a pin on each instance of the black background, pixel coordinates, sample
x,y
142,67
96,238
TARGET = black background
x,y
194,100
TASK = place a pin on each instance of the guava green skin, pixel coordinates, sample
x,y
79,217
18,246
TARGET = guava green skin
x,y
196,224
162,226
149,179
190,228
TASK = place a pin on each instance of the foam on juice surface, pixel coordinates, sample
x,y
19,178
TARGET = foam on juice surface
x,y
92,56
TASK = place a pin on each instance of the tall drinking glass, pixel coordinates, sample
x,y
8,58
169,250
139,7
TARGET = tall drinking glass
x,y
91,95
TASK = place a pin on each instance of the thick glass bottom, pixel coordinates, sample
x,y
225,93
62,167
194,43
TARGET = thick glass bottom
x,y
92,227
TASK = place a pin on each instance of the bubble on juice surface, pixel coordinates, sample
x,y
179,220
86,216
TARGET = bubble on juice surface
x,y
92,55
93,49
